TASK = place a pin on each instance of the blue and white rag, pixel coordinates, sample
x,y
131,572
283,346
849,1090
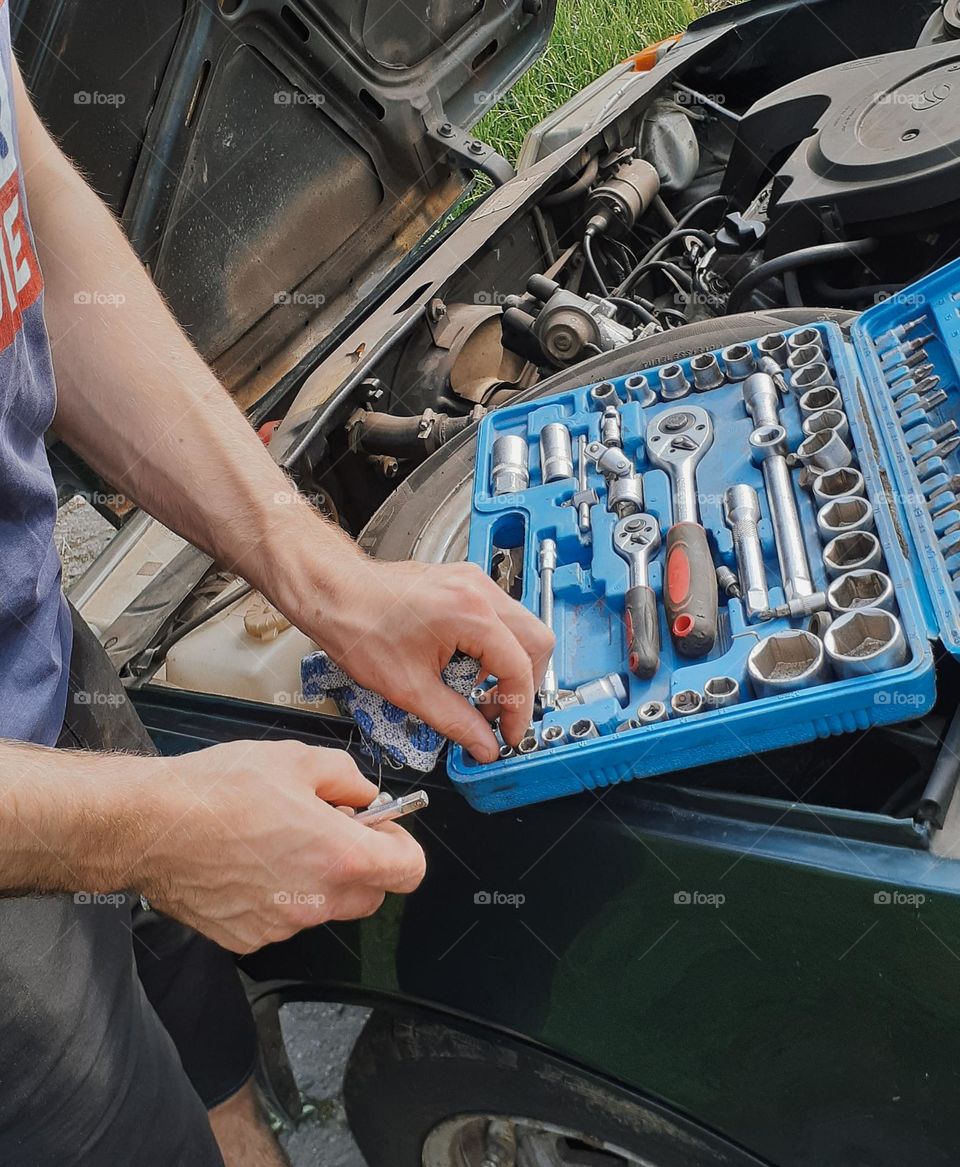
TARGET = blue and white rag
x,y
389,733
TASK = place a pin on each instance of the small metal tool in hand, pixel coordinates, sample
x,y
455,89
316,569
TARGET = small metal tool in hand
x,y
385,810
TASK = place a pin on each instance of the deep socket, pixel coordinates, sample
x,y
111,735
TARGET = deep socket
x,y
556,452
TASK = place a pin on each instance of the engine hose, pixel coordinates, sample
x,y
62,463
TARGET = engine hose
x,y
575,189
405,437
821,253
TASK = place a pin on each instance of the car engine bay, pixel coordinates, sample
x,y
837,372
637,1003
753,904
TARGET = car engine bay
x,y
746,188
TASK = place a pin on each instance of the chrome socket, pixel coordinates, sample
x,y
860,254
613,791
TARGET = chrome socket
x,y
785,661
827,419
604,394
799,358
865,641
719,692
861,589
804,338
841,483
774,345
650,712
673,382
639,390
852,551
761,399
852,513
553,735
506,752
583,730
556,452
706,372
510,473
825,450
738,361
630,723
528,743
686,703
823,397
811,376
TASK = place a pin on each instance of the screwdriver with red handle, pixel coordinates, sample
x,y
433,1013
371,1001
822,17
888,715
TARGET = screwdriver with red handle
x,y
676,442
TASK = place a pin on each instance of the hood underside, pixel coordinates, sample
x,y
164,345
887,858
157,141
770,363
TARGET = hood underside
x,y
273,162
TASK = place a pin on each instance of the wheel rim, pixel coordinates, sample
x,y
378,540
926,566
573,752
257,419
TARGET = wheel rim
x,y
488,1140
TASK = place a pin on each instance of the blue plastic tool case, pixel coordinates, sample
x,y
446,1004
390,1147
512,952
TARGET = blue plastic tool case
x,y
889,438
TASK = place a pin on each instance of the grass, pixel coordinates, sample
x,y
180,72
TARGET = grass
x,y
588,37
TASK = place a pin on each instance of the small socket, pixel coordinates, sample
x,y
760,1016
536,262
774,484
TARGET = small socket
x,y
509,474
739,361
865,641
583,729
506,752
706,372
650,712
553,735
840,483
638,389
804,337
852,551
673,382
861,589
825,450
788,660
686,703
811,376
799,358
852,513
721,691
632,723
827,419
823,397
773,345
528,743
604,394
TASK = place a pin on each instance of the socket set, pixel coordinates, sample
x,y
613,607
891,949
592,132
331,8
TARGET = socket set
x,y
737,552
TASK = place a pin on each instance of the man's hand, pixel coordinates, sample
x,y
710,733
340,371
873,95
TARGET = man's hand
x,y
395,626
243,844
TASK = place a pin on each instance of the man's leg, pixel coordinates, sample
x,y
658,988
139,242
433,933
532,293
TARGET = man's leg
x,y
191,983
242,1133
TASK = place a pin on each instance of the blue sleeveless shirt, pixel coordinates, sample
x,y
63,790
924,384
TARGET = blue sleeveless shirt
x,y
35,627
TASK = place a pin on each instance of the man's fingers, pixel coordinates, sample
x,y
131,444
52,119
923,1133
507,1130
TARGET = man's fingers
x,y
535,637
453,716
337,778
501,654
385,858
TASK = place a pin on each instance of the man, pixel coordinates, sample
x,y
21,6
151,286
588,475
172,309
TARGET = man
x,y
93,1069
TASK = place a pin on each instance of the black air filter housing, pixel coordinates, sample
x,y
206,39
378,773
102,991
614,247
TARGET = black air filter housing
x,y
868,147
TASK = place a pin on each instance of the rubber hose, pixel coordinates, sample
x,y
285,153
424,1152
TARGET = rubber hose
x,y
579,187
400,437
821,253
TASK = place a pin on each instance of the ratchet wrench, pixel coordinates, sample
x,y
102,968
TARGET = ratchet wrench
x,y
637,539
676,442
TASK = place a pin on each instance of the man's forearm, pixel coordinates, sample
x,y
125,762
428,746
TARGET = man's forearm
x,y
70,821
139,404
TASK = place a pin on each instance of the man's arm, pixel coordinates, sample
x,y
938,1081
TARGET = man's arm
x,y
138,403
232,840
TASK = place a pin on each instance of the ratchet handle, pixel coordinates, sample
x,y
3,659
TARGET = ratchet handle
x,y
690,590
643,631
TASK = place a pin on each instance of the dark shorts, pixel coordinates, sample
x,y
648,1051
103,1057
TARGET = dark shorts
x,y
118,1027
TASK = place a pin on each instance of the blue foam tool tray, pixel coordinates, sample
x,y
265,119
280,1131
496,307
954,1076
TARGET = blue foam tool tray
x,y
892,441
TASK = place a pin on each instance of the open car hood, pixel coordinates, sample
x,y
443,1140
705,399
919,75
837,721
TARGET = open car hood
x,y
274,162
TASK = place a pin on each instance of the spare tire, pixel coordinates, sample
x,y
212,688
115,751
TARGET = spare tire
x,y
428,516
